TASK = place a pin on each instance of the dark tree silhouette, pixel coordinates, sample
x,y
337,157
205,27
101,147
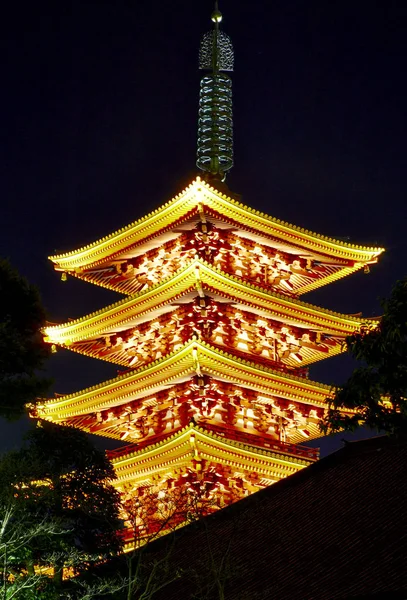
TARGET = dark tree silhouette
x,y
22,350
22,522
377,390
60,478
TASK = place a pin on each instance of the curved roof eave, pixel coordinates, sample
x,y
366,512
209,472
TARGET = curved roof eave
x,y
184,281
196,197
191,358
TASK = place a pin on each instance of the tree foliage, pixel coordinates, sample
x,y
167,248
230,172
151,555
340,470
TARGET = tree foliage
x,y
377,390
18,529
151,513
60,480
22,349
22,523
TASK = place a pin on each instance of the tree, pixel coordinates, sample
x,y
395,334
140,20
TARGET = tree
x,y
18,529
158,510
156,516
22,349
140,573
155,561
377,390
60,479
21,523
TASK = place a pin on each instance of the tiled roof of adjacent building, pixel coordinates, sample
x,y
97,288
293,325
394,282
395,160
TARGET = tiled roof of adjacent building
x,y
336,530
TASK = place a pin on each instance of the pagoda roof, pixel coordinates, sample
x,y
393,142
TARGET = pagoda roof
x,y
201,277
201,199
194,357
193,444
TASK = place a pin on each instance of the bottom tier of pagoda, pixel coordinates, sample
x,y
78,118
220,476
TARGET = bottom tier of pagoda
x,y
195,472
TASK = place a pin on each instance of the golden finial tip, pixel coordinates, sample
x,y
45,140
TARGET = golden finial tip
x,y
216,16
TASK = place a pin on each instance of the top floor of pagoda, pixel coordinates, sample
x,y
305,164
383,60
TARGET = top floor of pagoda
x,y
203,221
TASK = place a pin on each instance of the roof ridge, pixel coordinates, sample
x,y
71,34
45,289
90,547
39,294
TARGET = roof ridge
x,y
190,344
200,262
216,436
297,228
198,184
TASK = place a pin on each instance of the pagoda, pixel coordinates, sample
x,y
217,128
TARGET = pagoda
x,y
213,337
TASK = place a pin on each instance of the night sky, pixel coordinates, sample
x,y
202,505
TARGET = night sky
x,y
98,122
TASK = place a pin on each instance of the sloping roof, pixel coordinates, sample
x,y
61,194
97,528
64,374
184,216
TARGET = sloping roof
x,y
201,198
336,530
199,274
191,358
169,455
159,308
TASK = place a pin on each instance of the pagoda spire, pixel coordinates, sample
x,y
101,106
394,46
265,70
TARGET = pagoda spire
x,y
215,123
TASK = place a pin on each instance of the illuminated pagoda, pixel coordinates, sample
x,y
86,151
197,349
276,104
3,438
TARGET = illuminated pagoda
x,y
213,336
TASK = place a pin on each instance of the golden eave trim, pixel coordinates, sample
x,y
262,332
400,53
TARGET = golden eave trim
x,y
184,435
177,285
200,192
180,364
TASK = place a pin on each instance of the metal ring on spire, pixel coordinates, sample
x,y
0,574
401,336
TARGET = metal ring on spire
x,y
215,125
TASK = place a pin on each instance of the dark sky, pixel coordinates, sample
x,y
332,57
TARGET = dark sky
x,y
98,127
